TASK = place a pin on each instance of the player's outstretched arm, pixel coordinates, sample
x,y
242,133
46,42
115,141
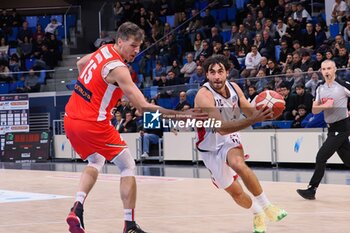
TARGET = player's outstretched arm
x,y
205,101
121,75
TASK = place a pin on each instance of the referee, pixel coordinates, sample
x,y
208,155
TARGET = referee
x,y
331,97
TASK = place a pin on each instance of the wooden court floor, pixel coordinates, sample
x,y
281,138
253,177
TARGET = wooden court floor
x,y
165,205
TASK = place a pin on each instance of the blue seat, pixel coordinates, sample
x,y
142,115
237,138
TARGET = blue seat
x,y
170,19
231,14
277,52
71,84
13,35
71,20
140,80
42,77
29,63
32,21
165,103
4,88
240,4
226,35
43,21
334,30
12,51
153,91
60,33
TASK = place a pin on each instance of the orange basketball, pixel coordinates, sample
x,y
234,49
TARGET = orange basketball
x,y
272,100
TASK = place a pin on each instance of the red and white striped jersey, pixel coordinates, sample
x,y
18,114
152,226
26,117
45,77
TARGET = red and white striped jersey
x,y
207,138
93,97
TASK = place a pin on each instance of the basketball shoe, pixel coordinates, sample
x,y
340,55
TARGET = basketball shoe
x,y
259,223
132,227
274,213
308,193
75,219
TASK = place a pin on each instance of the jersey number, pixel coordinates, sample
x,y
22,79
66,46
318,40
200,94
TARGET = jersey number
x,y
87,73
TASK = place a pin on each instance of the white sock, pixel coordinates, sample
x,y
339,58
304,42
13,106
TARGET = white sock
x,y
256,208
80,196
129,214
262,200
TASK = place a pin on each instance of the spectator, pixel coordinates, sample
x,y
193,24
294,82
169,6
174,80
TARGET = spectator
x,y
55,47
215,36
306,61
16,19
301,15
118,11
173,80
128,125
309,39
158,70
267,47
51,28
248,22
341,60
312,84
117,120
299,79
318,61
5,75
198,76
47,56
339,11
272,68
39,32
293,31
5,24
242,47
285,50
281,30
288,98
252,61
123,107
188,69
287,64
31,83
175,67
232,58
262,81
24,31
296,60
314,121
4,48
163,82
299,117
182,101
252,93
301,97
320,35
25,48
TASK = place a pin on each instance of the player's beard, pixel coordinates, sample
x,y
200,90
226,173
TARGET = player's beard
x,y
217,85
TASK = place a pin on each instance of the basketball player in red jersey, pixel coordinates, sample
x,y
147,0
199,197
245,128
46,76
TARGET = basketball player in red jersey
x,y
103,79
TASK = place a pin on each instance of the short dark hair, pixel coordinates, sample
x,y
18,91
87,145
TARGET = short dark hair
x,y
216,59
127,30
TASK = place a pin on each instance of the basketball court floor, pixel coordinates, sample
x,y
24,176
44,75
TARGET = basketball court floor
x,y
35,198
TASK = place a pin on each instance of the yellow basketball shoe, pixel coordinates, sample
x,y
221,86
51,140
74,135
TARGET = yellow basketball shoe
x,y
259,223
274,213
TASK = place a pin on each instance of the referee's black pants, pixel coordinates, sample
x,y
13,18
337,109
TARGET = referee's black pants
x,y
337,141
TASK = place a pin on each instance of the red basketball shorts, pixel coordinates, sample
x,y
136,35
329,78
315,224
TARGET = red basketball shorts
x,y
89,137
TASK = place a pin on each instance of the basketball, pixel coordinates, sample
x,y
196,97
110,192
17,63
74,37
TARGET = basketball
x,y
272,100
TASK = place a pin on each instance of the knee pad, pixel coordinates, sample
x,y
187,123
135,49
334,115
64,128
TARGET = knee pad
x,y
96,160
125,163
